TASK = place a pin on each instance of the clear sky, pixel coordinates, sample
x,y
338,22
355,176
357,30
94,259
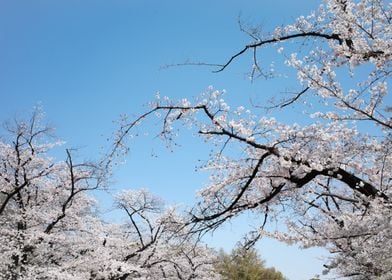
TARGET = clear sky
x,y
88,61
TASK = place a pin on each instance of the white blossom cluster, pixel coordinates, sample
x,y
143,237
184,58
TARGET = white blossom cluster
x,y
329,181
50,228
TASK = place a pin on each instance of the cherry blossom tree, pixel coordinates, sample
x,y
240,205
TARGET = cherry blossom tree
x,y
157,243
46,218
51,229
329,182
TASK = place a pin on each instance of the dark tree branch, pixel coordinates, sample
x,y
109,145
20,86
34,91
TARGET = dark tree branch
x,y
279,39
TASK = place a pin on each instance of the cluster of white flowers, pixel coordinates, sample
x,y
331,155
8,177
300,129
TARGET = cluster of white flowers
x,y
50,228
331,181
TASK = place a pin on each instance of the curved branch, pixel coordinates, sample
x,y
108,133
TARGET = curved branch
x,y
239,195
280,39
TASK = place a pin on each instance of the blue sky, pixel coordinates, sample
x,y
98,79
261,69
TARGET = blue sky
x,y
88,61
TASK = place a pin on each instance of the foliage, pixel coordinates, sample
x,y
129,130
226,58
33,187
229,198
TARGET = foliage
x,y
243,264
330,181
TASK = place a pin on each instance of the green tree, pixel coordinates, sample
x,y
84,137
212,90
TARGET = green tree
x,y
243,264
